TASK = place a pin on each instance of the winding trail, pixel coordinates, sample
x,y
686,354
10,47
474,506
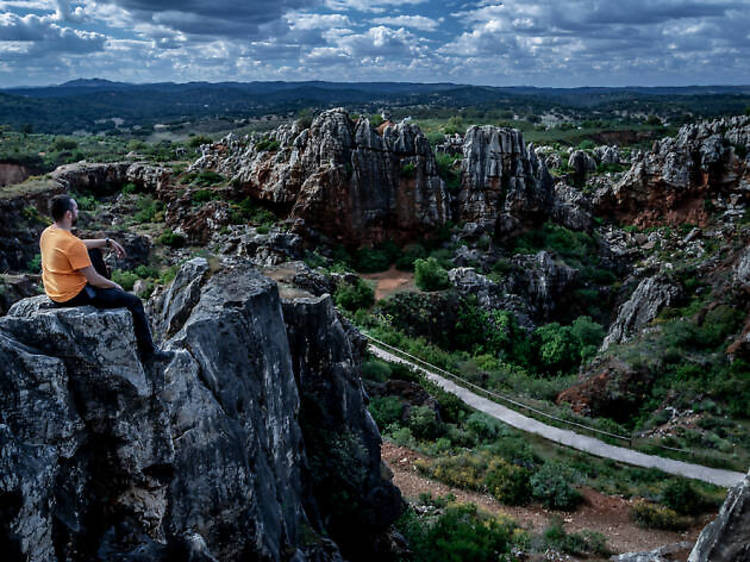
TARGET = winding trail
x,y
569,438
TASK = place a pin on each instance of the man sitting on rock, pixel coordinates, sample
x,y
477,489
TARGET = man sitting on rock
x,y
74,274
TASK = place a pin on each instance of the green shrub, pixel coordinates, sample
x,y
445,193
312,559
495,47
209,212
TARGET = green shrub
x,y
129,188
409,170
149,210
63,143
507,482
267,144
202,195
464,470
126,279
587,144
411,253
551,485
35,264
429,275
682,497
386,410
483,426
352,297
458,534
654,516
424,423
172,239
370,260
583,543
207,178
449,170
376,370
198,140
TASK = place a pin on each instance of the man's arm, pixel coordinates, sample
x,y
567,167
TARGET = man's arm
x,y
93,243
97,280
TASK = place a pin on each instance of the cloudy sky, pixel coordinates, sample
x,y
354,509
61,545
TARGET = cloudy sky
x,y
514,42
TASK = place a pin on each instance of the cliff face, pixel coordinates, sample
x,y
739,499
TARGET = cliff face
x,y
231,451
342,178
503,184
672,182
727,538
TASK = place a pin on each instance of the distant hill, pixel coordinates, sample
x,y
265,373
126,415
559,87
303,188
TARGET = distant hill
x,y
87,103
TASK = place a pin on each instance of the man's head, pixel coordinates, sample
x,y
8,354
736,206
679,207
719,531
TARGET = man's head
x,y
60,206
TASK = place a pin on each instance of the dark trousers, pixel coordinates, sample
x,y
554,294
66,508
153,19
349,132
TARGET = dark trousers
x,y
114,298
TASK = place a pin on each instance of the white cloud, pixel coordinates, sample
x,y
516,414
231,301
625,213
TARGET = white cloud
x,y
421,23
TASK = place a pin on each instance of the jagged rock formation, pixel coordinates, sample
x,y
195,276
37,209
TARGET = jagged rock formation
x,y
503,183
582,164
542,280
22,206
105,178
224,453
727,538
571,208
649,298
342,178
607,154
667,553
671,183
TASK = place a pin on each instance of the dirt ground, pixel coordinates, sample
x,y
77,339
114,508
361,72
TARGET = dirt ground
x,y
608,515
391,281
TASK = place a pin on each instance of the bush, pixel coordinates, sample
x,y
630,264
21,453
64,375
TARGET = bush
x,y
149,210
129,188
202,195
369,260
507,482
63,143
198,140
207,178
126,279
550,485
376,370
409,170
172,239
583,543
267,144
460,533
411,253
429,275
35,264
680,496
424,423
654,516
386,410
353,297
464,470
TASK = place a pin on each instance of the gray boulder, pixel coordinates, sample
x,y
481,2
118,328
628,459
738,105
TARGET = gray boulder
x,y
582,164
727,538
541,280
649,298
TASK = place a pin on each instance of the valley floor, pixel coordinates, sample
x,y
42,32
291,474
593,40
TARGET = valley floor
x,y
605,514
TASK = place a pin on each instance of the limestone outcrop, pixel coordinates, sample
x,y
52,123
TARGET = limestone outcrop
x,y
344,179
649,298
727,538
227,452
673,182
503,183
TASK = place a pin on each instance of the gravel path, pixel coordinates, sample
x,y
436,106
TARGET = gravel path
x,y
572,439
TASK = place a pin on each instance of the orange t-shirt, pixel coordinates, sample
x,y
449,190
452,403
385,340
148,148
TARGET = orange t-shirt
x,y
63,254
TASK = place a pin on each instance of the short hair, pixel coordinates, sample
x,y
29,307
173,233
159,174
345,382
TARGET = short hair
x,y
59,205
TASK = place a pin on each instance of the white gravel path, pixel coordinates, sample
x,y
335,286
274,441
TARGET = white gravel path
x,y
572,439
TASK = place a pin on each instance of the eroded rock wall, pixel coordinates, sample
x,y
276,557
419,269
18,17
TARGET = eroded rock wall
x,y
204,457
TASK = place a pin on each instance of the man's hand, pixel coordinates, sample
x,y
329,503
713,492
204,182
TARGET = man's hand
x,y
119,250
